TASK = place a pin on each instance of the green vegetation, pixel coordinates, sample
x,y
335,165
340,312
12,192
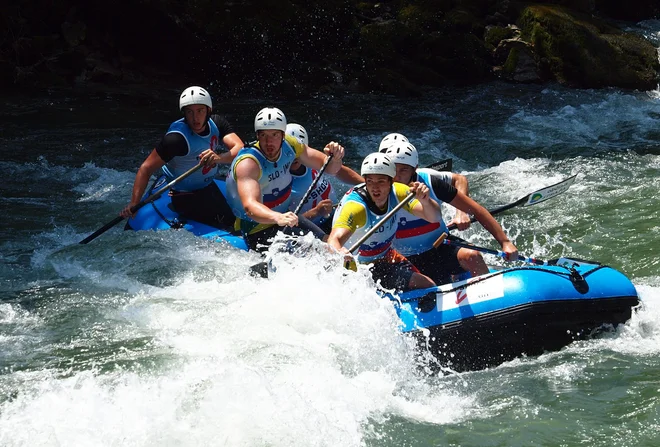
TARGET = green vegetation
x,y
302,47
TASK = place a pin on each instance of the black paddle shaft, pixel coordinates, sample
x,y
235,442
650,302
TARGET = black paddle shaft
x,y
144,202
313,185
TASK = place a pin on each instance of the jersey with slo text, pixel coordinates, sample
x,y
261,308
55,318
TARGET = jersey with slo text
x,y
196,145
322,191
356,212
274,180
415,235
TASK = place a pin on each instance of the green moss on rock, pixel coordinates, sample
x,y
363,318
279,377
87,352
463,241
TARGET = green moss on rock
x,y
581,51
495,34
511,63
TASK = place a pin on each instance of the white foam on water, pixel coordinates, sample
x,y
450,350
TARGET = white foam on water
x,y
592,122
641,335
104,184
310,356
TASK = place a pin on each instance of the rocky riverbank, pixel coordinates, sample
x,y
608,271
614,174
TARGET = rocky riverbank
x,y
293,47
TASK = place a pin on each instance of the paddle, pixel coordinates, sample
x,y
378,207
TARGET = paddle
x,y
442,165
146,201
532,198
576,278
313,185
444,240
261,268
380,223
351,264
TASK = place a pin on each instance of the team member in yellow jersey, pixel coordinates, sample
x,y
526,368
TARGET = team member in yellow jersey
x,y
364,205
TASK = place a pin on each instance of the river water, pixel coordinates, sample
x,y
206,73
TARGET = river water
x,y
155,339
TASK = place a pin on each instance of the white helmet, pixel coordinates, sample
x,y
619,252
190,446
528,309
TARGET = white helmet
x,y
195,95
389,140
298,131
270,118
378,163
404,153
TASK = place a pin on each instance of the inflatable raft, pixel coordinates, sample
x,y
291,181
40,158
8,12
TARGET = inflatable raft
x,y
159,215
484,321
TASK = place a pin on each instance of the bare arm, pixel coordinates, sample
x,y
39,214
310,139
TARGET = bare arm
x,y
461,219
323,208
249,191
150,165
338,237
314,159
465,203
427,208
460,182
233,144
349,176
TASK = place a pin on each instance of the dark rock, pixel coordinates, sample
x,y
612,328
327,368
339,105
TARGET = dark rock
x,y
74,33
519,61
495,34
497,19
296,48
582,51
634,10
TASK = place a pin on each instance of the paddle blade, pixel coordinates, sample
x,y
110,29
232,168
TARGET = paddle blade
x,y
442,165
259,270
550,191
350,265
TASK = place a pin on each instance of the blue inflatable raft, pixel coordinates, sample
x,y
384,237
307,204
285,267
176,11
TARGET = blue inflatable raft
x,y
159,215
482,321
490,319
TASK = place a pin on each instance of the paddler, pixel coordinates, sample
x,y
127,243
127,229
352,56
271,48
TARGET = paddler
x,y
194,139
415,236
259,181
319,207
365,205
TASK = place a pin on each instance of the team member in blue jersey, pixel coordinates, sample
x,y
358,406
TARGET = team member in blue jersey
x,y
319,206
415,236
365,205
458,181
259,182
193,139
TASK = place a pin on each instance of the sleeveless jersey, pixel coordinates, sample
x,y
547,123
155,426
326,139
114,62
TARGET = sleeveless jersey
x,y
322,191
274,179
415,235
355,214
196,145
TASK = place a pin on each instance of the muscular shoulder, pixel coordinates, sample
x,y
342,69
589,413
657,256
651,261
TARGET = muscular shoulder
x,y
443,189
351,215
295,144
443,176
246,166
172,145
223,125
